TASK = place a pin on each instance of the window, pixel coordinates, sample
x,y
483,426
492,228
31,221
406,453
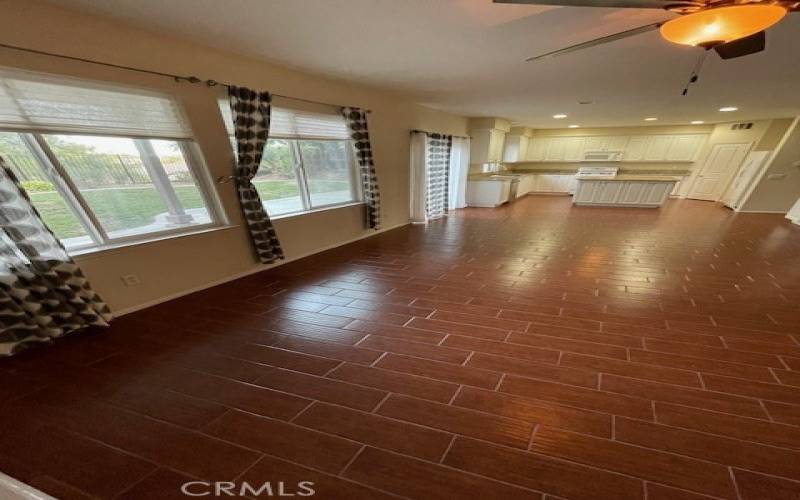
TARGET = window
x,y
102,165
308,162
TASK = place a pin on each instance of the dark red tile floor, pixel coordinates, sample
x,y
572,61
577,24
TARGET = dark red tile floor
x,y
537,350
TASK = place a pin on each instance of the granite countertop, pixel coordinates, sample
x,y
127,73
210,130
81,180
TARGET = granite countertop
x,y
624,174
650,178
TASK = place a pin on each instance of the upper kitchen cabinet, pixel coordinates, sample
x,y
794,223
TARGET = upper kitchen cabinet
x,y
556,149
537,148
674,148
685,147
488,137
635,148
657,147
574,148
516,145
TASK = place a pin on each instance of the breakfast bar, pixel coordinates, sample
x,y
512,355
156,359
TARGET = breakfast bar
x,y
602,187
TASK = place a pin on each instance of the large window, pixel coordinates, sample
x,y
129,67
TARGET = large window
x,y
308,162
102,165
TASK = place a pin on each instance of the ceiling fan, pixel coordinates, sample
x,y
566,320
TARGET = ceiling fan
x,y
733,28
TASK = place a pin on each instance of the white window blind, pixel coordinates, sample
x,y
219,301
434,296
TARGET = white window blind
x,y
34,101
297,124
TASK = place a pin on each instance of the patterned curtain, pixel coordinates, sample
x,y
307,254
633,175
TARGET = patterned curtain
x,y
437,158
43,293
251,113
356,119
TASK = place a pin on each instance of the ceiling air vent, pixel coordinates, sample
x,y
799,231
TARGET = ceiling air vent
x,y
742,126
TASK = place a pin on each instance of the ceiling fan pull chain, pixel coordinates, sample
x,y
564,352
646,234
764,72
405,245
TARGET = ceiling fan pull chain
x,y
696,71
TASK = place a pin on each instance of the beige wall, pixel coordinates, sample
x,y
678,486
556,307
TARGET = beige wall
x,y
170,267
778,195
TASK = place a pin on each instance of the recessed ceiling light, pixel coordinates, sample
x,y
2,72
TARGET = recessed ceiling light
x,y
728,109
559,116
697,122
574,126
651,119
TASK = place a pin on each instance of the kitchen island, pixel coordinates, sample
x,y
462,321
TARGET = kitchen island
x,y
624,190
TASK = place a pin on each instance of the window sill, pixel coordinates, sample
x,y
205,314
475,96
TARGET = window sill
x,y
315,210
88,253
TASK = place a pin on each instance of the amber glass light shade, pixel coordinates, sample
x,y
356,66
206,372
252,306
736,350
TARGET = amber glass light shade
x,y
721,25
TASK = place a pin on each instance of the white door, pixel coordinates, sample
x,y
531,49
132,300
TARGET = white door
x,y
722,163
750,168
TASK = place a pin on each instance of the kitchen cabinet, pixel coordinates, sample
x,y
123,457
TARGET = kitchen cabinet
x,y
527,184
617,143
515,148
487,146
556,149
684,147
537,148
638,148
624,192
553,183
574,148
657,147
488,193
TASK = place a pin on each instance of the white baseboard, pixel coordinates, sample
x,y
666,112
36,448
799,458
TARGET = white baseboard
x,y
254,270
782,212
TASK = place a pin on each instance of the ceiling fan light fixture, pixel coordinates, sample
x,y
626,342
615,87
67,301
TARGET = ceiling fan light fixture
x,y
715,26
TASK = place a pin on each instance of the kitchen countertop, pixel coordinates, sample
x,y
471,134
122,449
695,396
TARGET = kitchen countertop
x,y
619,178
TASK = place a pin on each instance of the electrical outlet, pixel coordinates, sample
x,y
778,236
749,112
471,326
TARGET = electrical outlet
x,y
131,280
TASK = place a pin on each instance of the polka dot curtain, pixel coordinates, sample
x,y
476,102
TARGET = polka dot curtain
x,y
43,293
251,116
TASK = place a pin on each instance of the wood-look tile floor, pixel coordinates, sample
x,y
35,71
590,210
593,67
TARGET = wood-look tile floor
x,y
532,351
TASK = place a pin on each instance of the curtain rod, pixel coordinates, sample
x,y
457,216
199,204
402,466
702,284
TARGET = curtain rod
x,y
177,78
440,133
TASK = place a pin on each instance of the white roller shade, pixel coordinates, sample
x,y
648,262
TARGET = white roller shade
x,y
34,101
297,124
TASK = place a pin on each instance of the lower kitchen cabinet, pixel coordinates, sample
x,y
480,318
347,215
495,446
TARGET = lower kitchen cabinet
x,y
623,193
488,193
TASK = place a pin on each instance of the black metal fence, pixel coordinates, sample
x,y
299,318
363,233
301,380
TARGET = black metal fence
x,y
100,170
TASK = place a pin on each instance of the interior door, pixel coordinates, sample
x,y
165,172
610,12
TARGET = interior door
x,y
750,168
722,163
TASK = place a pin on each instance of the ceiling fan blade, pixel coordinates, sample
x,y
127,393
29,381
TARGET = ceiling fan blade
x,y
598,41
611,4
743,46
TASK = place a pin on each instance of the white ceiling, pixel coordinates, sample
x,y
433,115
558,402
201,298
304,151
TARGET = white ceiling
x,y
466,56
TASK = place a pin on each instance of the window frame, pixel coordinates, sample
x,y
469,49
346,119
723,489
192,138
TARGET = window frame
x,y
53,169
301,177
